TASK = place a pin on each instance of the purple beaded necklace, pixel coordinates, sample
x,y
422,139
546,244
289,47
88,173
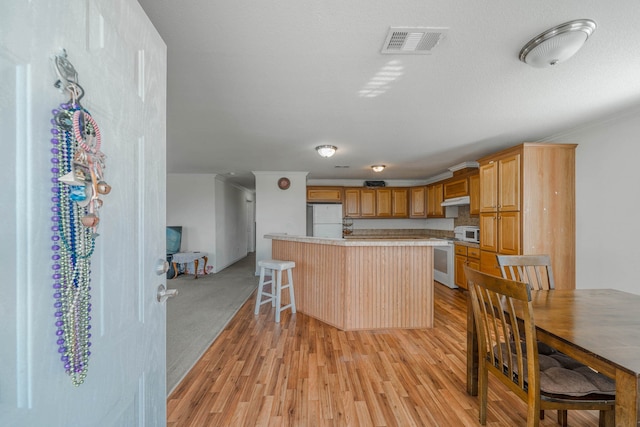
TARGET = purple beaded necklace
x,y
77,169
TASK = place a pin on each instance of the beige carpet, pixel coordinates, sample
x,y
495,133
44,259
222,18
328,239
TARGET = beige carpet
x,y
201,310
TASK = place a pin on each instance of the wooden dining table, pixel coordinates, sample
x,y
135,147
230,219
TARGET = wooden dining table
x,y
598,327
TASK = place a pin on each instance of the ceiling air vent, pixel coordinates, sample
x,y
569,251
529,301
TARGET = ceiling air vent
x,y
412,40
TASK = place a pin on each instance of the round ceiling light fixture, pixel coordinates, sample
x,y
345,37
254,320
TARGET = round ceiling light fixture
x,y
557,44
326,150
378,168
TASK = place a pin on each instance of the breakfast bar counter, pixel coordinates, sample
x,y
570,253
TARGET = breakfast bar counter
x,y
361,284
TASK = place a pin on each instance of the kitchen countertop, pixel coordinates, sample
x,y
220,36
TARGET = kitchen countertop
x,y
363,241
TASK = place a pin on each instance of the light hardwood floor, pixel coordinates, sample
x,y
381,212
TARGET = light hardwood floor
x,y
303,372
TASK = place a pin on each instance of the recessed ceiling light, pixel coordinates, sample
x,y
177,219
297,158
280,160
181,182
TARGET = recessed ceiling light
x,y
378,168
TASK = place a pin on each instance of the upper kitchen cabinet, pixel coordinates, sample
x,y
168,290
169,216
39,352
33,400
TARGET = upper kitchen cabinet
x,y
500,193
390,202
368,203
474,194
527,206
351,205
377,202
435,198
456,188
418,202
383,203
324,194
400,202
500,188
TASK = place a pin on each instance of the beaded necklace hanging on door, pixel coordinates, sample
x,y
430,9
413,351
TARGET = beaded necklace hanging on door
x,y
77,168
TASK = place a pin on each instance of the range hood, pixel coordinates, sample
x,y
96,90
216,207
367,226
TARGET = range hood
x,y
456,201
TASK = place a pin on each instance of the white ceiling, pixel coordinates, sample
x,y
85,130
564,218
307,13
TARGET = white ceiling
x,y
256,85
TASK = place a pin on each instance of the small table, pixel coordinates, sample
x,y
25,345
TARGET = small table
x,y
187,257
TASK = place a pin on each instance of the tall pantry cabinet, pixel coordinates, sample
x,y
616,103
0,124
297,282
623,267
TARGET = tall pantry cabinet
x,y
527,207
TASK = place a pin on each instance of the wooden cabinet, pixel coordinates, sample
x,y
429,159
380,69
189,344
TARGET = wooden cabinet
x,y
465,255
527,207
383,203
400,202
489,187
474,194
418,202
509,183
500,232
376,202
368,203
434,201
324,194
351,205
500,205
489,263
500,184
456,188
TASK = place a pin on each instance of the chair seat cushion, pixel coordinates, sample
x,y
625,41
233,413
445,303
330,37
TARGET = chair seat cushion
x,y
569,377
562,375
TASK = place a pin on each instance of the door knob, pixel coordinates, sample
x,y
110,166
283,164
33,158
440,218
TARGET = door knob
x,y
164,293
162,266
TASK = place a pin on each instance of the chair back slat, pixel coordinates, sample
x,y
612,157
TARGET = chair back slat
x,y
532,269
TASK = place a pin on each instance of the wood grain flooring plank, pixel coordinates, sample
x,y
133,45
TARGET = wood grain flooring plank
x,y
304,373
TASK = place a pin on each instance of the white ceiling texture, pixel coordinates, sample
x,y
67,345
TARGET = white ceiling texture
x,y
255,85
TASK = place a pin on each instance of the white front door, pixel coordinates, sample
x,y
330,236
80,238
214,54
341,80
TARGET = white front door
x,y
121,64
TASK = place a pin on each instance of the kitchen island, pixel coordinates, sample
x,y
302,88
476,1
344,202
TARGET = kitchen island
x,y
361,284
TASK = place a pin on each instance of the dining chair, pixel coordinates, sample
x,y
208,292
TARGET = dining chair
x,y
537,272
504,319
532,269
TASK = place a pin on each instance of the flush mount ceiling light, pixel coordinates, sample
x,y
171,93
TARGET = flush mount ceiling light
x,y
378,168
326,150
557,44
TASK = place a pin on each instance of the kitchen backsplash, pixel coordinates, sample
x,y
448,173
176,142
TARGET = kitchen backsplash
x,y
464,218
386,232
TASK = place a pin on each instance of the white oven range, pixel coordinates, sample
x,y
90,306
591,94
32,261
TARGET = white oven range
x,y
443,264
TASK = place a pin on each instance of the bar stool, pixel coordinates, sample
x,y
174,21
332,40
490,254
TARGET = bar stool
x,y
276,267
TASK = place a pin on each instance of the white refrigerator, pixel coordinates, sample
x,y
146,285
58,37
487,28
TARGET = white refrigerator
x,y
324,220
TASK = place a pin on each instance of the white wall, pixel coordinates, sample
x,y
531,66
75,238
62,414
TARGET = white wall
x,y
213,216
191,204
607,202
231,223
279,211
